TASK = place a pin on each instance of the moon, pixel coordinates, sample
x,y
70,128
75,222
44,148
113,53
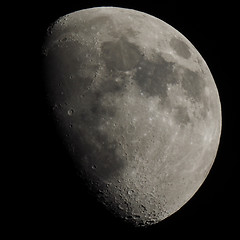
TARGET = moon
x,y
137,108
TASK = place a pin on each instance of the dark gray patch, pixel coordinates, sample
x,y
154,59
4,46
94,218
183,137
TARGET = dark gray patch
x,y
132,32
102,161
97,109
96,153
153,76
70,72
180,47
193,84
120,55
91,110
91,147
112,86
66,68
181,115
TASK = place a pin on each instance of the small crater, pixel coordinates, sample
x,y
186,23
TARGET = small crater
x,y
70,112
130,192
120,207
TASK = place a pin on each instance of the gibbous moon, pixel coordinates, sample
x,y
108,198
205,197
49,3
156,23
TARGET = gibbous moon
x,y
136,106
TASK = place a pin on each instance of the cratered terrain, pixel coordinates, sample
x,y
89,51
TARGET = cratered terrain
x,y
136,106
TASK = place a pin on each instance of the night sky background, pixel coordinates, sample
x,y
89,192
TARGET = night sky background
x,y
61,204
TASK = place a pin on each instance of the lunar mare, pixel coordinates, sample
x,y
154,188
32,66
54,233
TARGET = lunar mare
x,y
136,106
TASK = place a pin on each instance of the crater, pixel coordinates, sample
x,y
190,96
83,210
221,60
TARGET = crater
x,y
180,47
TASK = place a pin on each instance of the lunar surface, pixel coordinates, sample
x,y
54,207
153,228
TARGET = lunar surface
x,y
136,106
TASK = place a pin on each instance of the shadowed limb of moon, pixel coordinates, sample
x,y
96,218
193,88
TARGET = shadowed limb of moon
x,y
136,106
